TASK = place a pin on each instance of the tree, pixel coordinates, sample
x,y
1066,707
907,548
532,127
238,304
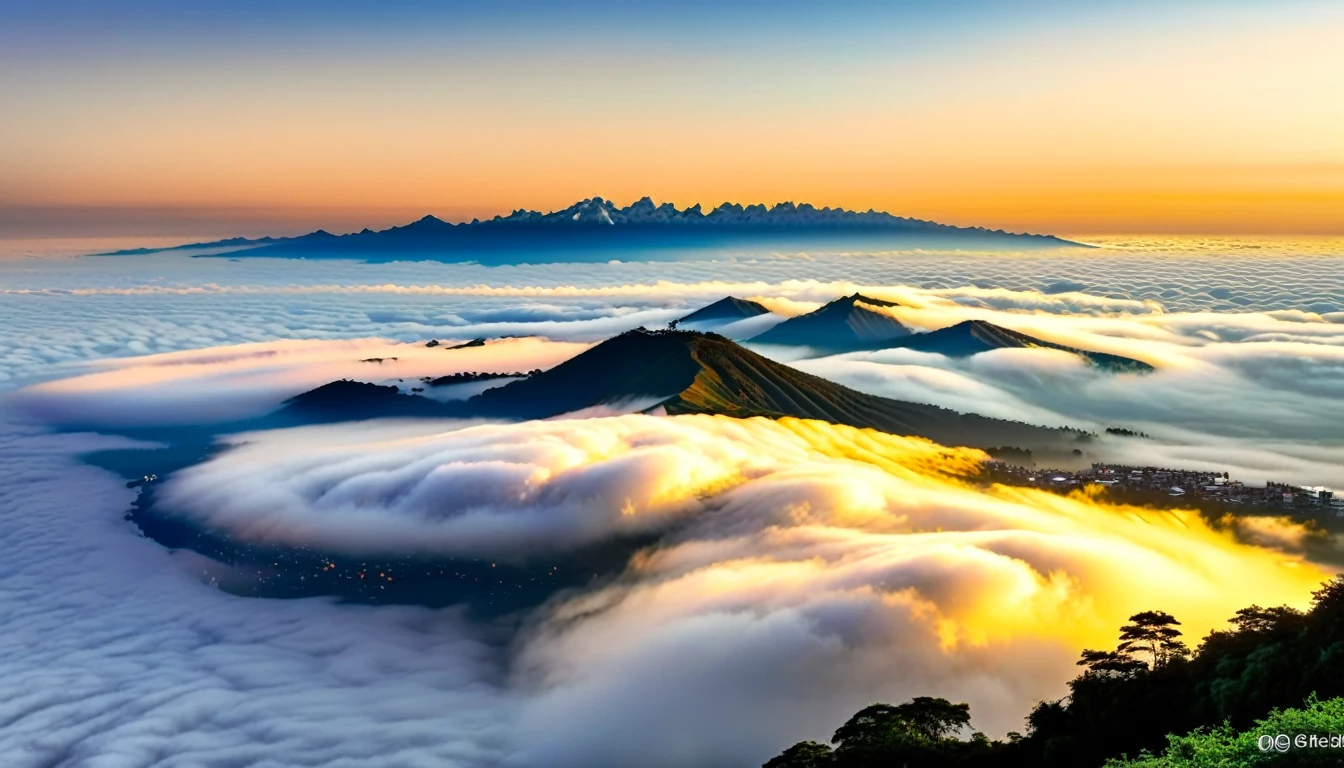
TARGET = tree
x,y
804,754
1048,718
1268,621
1153,633
924,716
935,718
1111,663
1128,700
869,726
1329,599
915,734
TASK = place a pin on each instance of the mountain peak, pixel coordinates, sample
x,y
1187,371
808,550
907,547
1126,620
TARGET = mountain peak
x,y
679,372
728,308
691,372
971,337
859,298
428,222
843,325
345,400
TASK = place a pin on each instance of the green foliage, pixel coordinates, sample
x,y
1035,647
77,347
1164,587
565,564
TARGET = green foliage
x,y
1011,453
804,754
1153,633
921,732
923,717
1241,682
1225,747
935,718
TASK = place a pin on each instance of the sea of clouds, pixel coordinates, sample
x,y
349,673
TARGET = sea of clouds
x,y
1256,394
799,572
802,571
59,311
115,654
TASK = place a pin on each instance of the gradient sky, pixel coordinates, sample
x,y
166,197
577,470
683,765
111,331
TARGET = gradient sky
x,y
274,117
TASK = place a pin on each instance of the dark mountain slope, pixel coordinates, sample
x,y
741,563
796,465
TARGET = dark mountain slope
x,y
975,336
687,372
844,325
347,400
726,309
707,373
634,364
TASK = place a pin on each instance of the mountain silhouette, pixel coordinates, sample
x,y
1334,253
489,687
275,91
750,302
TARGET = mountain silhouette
x,y
726,309
346,400
682,372
584,230
972,337
844,325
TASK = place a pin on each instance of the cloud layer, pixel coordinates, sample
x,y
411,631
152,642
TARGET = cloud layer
x,y
802,569
63,311
115,654
798,571
236,382
1257,394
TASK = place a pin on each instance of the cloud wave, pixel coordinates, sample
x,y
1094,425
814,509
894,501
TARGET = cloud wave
x,y
802,569
220,384
114,653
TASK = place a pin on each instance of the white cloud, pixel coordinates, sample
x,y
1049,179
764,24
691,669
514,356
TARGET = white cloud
x,y
62,311
227,383
502,491
802,569
801,572
115,654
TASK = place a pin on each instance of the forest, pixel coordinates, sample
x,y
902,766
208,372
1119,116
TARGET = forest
x,y
1150,702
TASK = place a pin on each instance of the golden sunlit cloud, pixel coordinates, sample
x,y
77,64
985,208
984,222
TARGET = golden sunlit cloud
x,y
874,556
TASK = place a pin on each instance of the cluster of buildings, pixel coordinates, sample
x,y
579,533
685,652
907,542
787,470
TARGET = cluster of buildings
x,y
1178,485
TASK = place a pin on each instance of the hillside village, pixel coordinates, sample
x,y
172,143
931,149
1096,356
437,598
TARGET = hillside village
x,y
1149,484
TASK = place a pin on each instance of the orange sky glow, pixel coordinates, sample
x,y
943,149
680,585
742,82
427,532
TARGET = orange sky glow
x,y
1215,127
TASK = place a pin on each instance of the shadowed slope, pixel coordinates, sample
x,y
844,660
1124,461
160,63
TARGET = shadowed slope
x,y
972,337
683,372
346,400
634,364
707,373
844,325
728,308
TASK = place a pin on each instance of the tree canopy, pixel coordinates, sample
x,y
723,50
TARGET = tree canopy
x,y
1130,700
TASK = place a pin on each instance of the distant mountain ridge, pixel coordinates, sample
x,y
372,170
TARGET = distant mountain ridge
x,y
599,221
853,323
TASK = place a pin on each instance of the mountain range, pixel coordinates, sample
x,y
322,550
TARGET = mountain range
x,y
857,322
596,224
679,372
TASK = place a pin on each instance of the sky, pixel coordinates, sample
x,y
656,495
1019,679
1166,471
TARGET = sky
x,y
157,118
